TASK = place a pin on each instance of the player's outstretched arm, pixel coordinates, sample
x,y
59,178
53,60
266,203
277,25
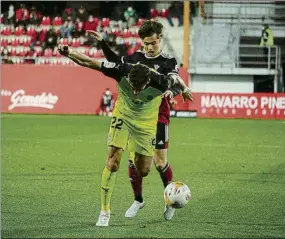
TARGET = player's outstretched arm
x,y
108,53
79,58
186,91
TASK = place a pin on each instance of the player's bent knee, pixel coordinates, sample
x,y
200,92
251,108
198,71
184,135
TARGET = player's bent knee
x,y
144,171
114,158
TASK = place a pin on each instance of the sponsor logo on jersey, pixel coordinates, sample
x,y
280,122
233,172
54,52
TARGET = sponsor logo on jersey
x,y
156,67
108,64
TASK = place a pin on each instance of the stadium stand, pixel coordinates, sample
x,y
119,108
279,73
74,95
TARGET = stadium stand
x,y
27,41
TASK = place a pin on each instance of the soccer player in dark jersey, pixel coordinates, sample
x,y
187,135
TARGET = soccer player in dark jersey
x,y
150,33
134,117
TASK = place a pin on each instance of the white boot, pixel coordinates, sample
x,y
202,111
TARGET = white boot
x,y
103,219
133,210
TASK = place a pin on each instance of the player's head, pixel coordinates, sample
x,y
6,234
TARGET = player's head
x,y
139,78
150,33
107,91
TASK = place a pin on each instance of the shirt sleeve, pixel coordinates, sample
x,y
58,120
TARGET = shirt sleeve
x,y
175,90
161,82
109,54
134,58
115,70
172,67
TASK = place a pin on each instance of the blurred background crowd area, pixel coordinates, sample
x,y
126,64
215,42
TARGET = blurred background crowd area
x,y
30,31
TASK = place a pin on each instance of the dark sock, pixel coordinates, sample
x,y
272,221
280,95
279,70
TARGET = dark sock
x,y
136,181
166,174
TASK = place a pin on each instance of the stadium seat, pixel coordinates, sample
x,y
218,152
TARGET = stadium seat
x,y
164,13
4,41
27,41
116,31
57,21
154,13
22,52
38,50
7,31
75,42
14,41
56,53
48,53
19,31
140,21
126,33
64,41
105,22
128,42
46,21
13,51
136,34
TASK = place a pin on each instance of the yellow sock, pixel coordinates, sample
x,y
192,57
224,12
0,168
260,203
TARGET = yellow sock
x,y
107,185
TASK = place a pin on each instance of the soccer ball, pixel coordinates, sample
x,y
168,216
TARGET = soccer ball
x,y
177,194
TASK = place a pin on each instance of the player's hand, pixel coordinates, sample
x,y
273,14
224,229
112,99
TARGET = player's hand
x,y
173,102
95,35
187,94
167,94
63,49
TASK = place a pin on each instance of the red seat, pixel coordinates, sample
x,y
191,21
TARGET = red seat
x,y
46,21
57,54
128,42
27,41
164,13
14,41
140,21
32,33
136,34
75,42
22,52
48,53
116,31
154,13
105,22
7,31
13,51
19,31
4,41
127,33
64,41
38,50
57,21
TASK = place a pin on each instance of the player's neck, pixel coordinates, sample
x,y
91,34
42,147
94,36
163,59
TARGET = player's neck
x,y
151,57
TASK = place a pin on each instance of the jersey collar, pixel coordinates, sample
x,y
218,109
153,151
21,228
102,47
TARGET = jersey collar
x,y
152,57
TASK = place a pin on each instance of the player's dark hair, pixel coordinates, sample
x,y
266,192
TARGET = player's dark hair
x,y
148,28
139,75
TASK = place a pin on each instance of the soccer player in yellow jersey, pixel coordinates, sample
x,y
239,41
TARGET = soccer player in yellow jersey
x,y
134,117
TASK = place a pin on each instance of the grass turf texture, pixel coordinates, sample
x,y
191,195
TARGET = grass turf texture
x,y
51,169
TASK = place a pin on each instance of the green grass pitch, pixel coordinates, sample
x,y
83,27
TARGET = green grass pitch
x,y
51,169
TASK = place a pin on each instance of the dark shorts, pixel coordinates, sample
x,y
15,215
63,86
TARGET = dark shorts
x,y
161,136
